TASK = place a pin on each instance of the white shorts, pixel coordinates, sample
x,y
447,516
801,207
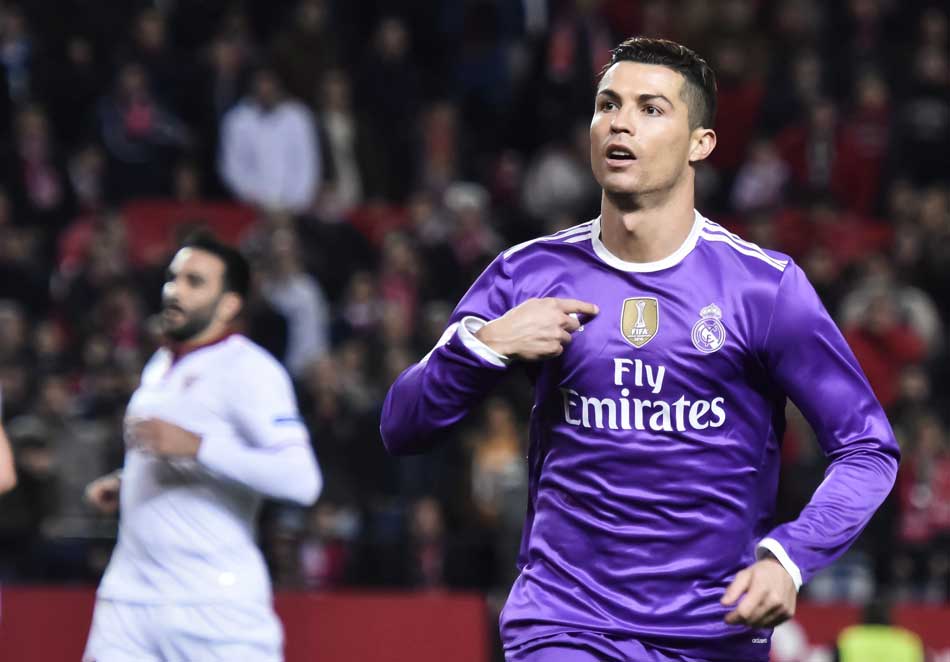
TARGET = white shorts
x,y
132,632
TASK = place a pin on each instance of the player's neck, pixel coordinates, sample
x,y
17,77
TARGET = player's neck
x,y
646,230
210,336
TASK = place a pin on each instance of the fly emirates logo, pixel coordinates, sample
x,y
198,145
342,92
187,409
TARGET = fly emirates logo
x,y
636,413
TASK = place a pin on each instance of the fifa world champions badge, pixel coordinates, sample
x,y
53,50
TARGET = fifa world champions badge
x,y
709,335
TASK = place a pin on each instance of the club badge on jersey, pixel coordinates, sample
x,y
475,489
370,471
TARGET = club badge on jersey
x,y
709,335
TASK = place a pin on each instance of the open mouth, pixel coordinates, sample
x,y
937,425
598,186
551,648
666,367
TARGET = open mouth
x,y
618,155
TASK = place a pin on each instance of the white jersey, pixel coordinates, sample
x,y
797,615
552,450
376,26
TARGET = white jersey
x,y
187,526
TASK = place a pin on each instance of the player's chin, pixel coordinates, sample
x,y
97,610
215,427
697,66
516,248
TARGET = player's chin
x,y
621,184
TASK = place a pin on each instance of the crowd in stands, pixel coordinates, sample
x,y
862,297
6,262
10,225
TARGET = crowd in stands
x,y
371,159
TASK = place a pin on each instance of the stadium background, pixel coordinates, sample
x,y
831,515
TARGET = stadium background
x,y
447,130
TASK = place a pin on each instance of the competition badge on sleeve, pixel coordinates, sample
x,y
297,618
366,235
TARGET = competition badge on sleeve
x,y
708,333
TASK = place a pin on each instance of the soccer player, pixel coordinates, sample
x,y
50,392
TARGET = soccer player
x,y
662,349
212,427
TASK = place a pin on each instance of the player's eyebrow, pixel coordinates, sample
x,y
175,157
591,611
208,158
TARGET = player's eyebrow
x,y
641,98
644,98
607,92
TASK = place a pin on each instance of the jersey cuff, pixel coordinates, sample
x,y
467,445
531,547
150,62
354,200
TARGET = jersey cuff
x,y
774,547
468,327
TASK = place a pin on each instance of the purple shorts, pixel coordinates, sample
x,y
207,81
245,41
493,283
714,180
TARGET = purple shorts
x,y
591,647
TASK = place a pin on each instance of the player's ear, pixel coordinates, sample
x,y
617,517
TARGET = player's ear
x,y
701,144
230,306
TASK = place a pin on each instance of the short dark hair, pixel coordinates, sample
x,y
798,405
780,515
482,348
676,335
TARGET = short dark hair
x,y
237,270
699,92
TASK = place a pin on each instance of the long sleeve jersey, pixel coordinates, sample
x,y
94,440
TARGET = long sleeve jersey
x,y
187,526
655,436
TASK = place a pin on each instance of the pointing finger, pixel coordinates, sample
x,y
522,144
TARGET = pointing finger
x,y
577,306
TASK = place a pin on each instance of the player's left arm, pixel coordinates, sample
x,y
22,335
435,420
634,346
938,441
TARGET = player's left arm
x,y
7,465
808,358
270,451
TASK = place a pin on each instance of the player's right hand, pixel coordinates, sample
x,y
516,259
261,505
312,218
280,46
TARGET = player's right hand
x,y
103,493
536,329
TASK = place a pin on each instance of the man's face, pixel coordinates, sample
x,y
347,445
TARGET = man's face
x,y
266,89
193,289
639,134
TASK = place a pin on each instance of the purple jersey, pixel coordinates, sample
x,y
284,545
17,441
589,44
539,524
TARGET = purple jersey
x,y
655,436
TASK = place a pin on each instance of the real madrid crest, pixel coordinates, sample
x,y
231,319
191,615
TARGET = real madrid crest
x,y
709,335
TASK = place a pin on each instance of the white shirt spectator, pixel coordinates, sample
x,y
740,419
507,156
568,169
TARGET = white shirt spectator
x,y
299,298
270,158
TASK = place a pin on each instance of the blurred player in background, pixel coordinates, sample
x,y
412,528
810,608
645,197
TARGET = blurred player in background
x,y
7,466
662,350
211,429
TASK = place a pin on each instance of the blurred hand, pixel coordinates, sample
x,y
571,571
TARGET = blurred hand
x,y
103,493
535,329
158,437
769,599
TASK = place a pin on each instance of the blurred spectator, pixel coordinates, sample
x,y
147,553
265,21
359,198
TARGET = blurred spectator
x,y
400,276
350,145
761,180
473,241
325,551
388,86
361,307
306,50
69,84
923,567
427,545
37,170
17,52
739,105
481,75
297,296
559,179
22,511
440,149
911,304
795,86
23,270
154,51
500,486
810,146
140,136
269,150
923,117
865,137
57,452
87,169
884,344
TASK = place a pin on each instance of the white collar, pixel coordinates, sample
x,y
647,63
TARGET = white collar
x,y
669,261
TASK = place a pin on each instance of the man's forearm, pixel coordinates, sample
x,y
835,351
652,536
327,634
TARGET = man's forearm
x,y
286,471
855,485
439,391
